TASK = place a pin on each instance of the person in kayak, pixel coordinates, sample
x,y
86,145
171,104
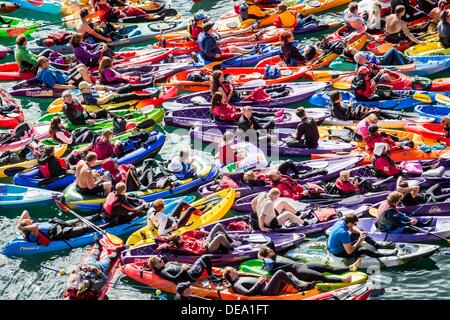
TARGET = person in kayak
x,y
227,154
88,280
251,120
55,229
412,195
182,166
354,22
91,96
250,9
61,135
306,135
363,85
261,178
367,58
88,54
223,86
362,128
166,223
103,147
396,29
210,47
89,31
435,14
25,59
253,285
445,121
269,212
110,76
57,79
198,242
348,188
119,208
345,241
375,136
77,114
290,53
50,166
177,272
411,13
375,22
382,161
443,29
195,26
111,14
289,19
89,182
348,112
427,5
305,272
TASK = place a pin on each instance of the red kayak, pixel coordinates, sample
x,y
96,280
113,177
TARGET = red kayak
x,y
10,118
8,7
433,131
356,292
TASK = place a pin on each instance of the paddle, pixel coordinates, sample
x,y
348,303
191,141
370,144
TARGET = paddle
x,y
114,239
14,32
341,85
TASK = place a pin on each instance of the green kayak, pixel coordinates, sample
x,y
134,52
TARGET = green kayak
x,y
256,266
11,27
342,64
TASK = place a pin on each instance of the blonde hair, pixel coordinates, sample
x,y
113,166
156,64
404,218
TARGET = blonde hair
x,y
394,197
121,187
249,175
344,174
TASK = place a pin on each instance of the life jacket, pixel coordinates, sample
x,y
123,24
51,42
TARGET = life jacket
x,y
314,188
385,166
286,20
371,140
55,138
345,186
120,173
194,30
325,214
226,112
102,148
59,37
226,182
42,236
258,95
238,226
110,202
193,242
363,87
87,295
227,155
289,188
45,170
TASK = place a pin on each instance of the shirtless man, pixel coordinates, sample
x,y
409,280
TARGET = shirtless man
x,y
265,209
396,29
435,14
90,182
85,29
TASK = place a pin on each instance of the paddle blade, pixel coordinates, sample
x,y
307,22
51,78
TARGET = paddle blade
x,y
373,212
96,14
340,85
14,32
114,239
62,206
442,98
422,97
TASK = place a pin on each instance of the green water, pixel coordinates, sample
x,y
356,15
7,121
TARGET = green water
x,y
25,279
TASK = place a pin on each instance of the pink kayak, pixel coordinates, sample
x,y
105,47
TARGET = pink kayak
x,y
36,132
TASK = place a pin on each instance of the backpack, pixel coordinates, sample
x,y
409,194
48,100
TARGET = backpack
x,y
119,125
271,72
198,76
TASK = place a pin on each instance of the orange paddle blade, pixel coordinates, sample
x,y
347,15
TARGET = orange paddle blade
x,y
14,32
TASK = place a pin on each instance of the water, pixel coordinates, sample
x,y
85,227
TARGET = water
x,y
39,277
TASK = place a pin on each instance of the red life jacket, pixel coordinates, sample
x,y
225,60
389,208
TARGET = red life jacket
x,y
110,203
386,165
370,141
226,112
64,131
345,186
325,214
289,188
193,242
103,148
368,89
194,30
226,154
120,173
45,170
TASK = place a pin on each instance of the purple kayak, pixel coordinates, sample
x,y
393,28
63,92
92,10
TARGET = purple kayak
x,y
214,135
309,229
248,249
282,95
201,116
311,171
438,225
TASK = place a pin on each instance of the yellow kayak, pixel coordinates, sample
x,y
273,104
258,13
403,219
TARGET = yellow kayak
x,y
434,48
214,207
9,170
316,6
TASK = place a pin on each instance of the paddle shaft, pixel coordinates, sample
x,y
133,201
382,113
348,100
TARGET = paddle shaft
x,y
429,232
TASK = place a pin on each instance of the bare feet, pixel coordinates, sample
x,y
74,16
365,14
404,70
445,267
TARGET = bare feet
x,y
238,195
354,267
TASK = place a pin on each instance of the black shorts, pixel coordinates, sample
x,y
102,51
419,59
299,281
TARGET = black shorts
x,y
274,224
97,191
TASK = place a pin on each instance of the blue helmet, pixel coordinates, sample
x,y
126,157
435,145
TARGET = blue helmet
x,y
201,15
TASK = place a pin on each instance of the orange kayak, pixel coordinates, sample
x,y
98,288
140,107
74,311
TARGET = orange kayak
x,y
240,76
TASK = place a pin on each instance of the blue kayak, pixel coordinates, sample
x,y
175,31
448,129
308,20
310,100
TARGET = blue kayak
x,y
19,246
433,111
13,197
404,100
143,150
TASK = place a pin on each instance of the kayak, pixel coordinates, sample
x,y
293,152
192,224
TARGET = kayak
x,y
436,111
401,100
356,292
82,203
46,6
106,249
14,142
310,171
213,207
215,135
434,131
237,76
10,168
422,66
7,30
8,7
4,51
248,249
439,226
434,48
20,247
201,116
10,119
202,288
316,252
144,147
251,157
15,197
281,95
71,7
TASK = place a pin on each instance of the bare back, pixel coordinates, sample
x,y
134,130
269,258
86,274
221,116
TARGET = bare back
x,y
264,206
393,24
84,176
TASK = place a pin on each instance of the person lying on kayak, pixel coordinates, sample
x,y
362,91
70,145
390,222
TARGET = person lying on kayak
x,y
354,22
198,242
88,54
396,29
87,280
57,79
289,19
251,120
91,96
177,272
348,112
362,128
50,166
290,53
210,47
182,166
25,59
347,187
89,31
375,136
306,135
55,229
411,13
177,218
270,212
119,208
443,29
250,9
61,135
89,182
363,85
305,272
382,161
110,76
392,57
184,291
261,178
111,14
345,241
252,285
225,87
286,185
103,147
77,114
435,14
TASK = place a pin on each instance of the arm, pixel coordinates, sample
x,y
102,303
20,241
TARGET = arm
x,y
63,86
98,35
408,34
166,275
106,99
90,178
61,136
